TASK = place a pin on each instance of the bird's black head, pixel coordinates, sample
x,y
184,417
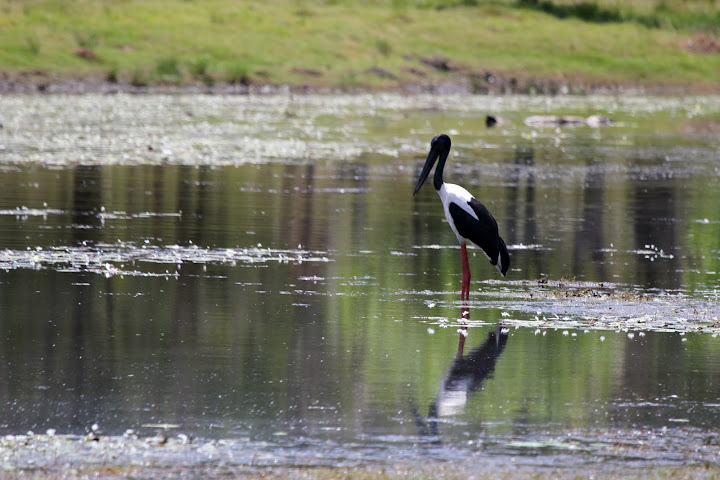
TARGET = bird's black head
x,y
440,140
439,145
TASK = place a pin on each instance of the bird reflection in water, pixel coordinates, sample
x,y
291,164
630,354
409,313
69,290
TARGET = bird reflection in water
x,y
463,377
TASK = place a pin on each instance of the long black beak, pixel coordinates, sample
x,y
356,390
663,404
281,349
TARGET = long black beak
x,y
432,156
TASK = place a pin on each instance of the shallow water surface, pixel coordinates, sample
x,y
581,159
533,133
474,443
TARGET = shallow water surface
x,y
254,271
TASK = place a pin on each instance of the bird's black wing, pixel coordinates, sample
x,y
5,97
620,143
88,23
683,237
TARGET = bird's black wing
x,y
482,231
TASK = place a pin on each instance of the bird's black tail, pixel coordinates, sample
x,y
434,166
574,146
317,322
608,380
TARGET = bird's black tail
x,y
503,259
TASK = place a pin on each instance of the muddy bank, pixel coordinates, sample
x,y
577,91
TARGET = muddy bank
x,y
128,456
480,83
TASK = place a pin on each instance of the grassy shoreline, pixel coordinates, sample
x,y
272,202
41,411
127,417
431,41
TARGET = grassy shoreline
x,y
513,46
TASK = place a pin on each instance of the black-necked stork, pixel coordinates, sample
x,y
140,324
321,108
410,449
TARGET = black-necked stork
x,y
469,219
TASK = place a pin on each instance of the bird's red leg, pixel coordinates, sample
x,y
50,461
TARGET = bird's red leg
x,y
465,291
464,317
461,341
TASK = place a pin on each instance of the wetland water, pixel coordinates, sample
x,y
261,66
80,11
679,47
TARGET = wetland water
x,y
251,277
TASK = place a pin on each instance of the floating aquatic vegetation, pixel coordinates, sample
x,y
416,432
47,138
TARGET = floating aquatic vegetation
x,y
126,258
569,304
24,212
584,306
652,252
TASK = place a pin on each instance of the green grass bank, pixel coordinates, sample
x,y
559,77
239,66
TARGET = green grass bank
x,y
474,45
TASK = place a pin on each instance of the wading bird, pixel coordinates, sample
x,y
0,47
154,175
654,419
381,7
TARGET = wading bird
x,y
468,218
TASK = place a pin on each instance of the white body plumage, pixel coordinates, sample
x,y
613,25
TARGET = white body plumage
x,y
451,193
